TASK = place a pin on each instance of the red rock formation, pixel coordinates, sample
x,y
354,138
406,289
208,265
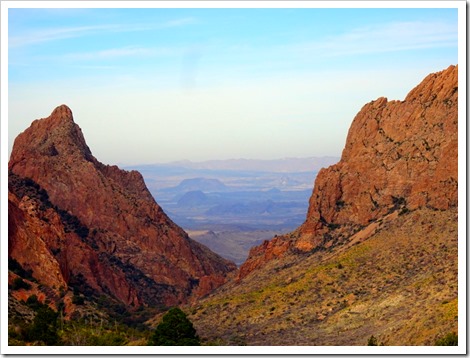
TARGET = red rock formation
x,y
398,154
116,238
30,240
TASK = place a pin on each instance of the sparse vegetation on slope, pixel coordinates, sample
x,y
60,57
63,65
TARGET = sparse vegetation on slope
x,y
400,285
31,322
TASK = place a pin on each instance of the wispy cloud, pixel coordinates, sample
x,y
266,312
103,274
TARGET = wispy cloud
x,y
180,22
385,38
54,34
128,51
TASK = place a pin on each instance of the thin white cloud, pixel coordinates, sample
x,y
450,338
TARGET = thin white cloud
x,y
53,34
185,21
180,22
385,38
128,51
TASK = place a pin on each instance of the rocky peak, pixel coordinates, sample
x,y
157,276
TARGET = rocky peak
x,y
62,113
399,155
55,136
129,247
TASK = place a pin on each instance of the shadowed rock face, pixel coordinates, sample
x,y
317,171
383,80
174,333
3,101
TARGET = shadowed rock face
x,y
399,155
122,241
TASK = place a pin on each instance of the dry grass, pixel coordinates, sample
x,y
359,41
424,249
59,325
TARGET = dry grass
x,y
400,285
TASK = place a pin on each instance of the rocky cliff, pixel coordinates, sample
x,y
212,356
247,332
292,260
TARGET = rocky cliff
x,y
399,156
74,221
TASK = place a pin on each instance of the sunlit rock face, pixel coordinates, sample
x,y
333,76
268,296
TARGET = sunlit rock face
x,y
399,155
121,242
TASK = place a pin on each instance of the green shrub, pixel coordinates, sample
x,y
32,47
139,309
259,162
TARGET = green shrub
x,y
340,204
403,211
372,341
19,283
44,327
108,339
16,267
174,330
451,339
33,302
78,300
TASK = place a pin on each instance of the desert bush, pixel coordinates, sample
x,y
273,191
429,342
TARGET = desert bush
x,y
16,267
19,283
44,327
372,341
450,339
33,302
404,211
78,300
108,339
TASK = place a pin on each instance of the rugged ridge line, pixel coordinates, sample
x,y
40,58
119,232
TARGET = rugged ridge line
x,y
399,155
122,244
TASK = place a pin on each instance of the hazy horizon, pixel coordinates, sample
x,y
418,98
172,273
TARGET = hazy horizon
x,y
163,85
216,160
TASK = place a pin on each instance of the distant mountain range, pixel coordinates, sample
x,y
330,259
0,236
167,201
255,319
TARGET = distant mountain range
x,y
240,200
285,165
232,185
206,185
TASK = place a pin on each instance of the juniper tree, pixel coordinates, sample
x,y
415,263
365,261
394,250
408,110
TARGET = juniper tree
x,y
174,330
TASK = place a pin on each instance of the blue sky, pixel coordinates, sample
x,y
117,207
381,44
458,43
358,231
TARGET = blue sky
x,y
157,85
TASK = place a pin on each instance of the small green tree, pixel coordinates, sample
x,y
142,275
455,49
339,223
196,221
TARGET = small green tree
x,y
174,330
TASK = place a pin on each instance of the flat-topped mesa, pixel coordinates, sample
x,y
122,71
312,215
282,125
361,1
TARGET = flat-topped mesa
x,y
399,155
132,248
